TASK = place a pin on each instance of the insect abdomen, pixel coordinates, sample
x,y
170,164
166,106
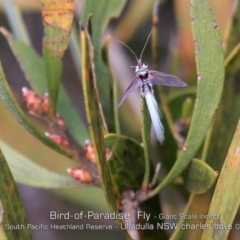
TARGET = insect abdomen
x,y
146,88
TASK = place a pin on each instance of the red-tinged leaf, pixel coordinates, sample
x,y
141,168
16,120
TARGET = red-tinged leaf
x,y
57,20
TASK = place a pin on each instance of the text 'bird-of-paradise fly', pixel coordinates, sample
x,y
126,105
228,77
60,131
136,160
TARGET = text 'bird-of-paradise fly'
x,y
144,80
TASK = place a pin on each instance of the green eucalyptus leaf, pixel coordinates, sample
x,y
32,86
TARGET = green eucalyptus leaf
x,y
11,209
225,201
210,69
91,101
228,113
53,70
199,177
223,129
27,172
57,20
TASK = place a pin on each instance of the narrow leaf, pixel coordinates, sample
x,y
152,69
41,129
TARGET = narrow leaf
x,y
102,11
11,209
222,133
210,70
228,113
227,116
57,20
93,113
225,201
222,130
33,68
27,172
9,101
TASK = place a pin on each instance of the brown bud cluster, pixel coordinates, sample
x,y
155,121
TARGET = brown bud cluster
x,y
59,140
46,105
89,151
80,174
61,121
33,101
40,106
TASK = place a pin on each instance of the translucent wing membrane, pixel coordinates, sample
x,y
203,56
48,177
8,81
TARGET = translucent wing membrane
x,y
155,117
132,87
159,78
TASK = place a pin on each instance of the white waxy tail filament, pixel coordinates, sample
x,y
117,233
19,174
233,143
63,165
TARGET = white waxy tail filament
x,y
155,116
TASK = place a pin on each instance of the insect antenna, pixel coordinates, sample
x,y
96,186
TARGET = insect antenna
x,y
129,49
145,46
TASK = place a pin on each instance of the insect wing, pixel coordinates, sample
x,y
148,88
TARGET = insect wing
x,y
159,78
132,87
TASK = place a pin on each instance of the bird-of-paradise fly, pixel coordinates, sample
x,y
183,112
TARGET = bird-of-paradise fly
x,y
144,80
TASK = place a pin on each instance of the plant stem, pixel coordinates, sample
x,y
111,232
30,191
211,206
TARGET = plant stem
x,y
145,129
206,144
232,54
115,102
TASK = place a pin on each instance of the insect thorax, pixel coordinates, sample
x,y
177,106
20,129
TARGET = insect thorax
x,y
142,71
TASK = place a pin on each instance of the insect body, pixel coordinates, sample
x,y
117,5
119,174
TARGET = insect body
x,y
144,80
